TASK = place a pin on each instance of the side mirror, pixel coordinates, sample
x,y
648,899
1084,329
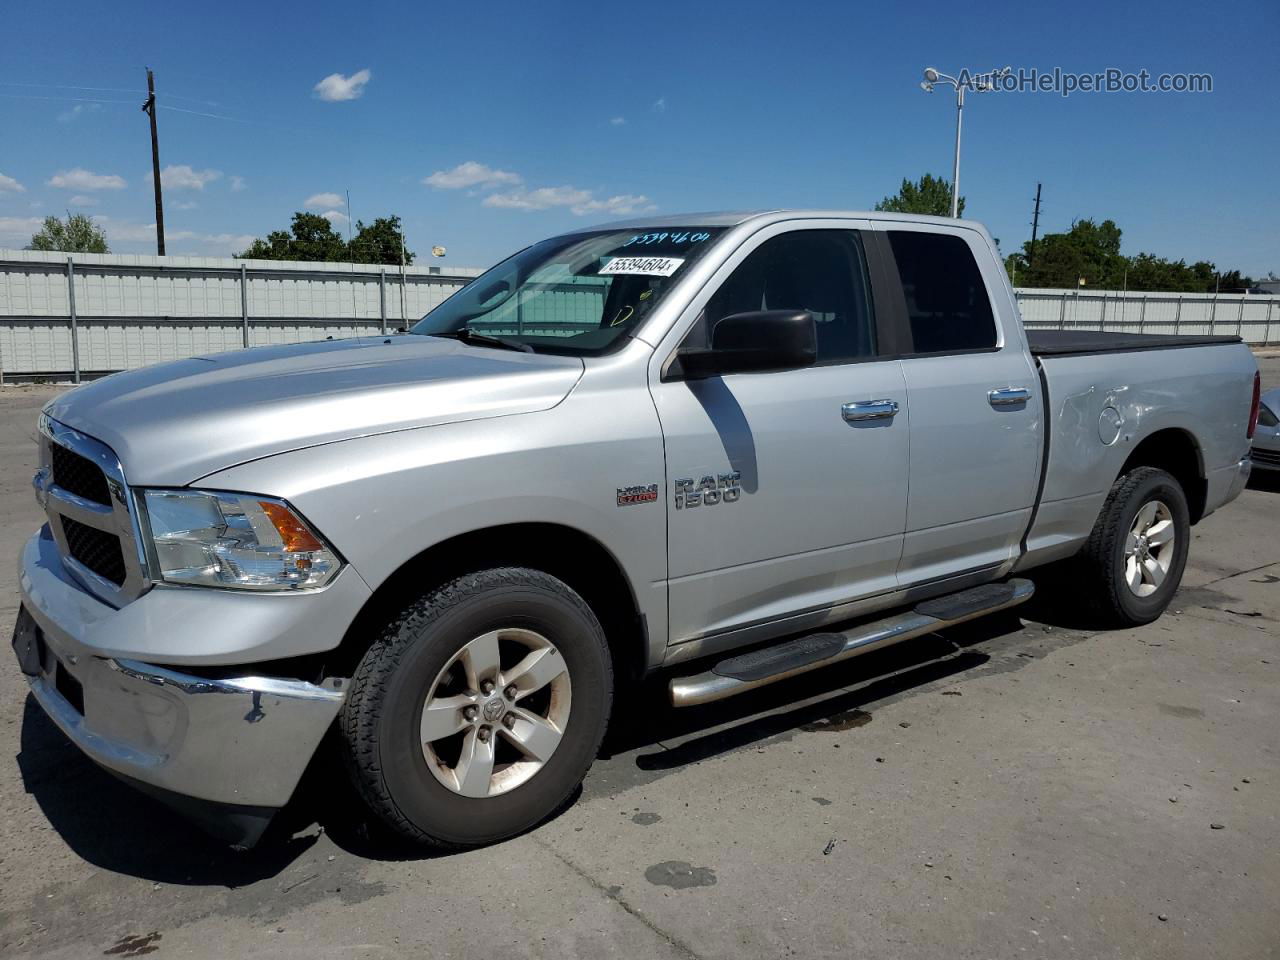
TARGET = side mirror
x,y
754,342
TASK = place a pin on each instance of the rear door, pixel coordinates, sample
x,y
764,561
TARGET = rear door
x,y
787,500
975,400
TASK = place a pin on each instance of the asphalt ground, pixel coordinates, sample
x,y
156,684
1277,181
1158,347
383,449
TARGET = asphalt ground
x,y
1010,788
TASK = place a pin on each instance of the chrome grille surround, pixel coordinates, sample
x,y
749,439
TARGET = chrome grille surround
x,y
116,518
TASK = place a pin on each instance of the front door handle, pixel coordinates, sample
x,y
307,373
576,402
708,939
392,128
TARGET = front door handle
x,y
869,410
1008,396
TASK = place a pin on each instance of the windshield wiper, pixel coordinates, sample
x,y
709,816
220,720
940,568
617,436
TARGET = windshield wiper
x,y
475,338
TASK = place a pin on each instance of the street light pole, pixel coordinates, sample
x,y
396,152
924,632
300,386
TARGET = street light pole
x,y
979,82
955,169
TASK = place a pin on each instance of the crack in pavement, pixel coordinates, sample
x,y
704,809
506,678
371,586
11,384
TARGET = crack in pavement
x,y
670,938
1238,573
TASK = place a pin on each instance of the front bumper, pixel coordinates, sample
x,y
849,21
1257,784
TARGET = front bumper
x,y
240,741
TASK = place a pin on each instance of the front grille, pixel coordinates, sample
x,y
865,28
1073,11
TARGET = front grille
x,y
95,549
1269,457
79,475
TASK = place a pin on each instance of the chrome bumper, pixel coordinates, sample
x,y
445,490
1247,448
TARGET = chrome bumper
x,y
237,740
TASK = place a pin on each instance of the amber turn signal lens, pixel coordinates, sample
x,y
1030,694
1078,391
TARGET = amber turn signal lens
x,y
297,538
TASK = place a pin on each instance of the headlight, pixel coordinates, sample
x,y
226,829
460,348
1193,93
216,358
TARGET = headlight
x,y
235,540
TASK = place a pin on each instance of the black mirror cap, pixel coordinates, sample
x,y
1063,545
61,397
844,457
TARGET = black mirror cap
x,y
755,342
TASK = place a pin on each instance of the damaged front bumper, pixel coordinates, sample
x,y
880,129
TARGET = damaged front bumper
x,y
227,751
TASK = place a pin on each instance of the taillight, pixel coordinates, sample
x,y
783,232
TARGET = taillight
x,y
1257,400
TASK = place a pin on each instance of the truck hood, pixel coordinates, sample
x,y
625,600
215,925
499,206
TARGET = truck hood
x,y
176,422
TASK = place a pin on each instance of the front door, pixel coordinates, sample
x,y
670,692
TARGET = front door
x,y
789,488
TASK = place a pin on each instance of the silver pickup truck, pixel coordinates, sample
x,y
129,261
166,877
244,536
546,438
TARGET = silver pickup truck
x,y
729,447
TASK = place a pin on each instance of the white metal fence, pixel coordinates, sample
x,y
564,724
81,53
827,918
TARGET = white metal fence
x,y
85,314
1254,318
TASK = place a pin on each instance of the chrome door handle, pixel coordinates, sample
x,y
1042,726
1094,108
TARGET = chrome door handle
x,y
869,410
1008,396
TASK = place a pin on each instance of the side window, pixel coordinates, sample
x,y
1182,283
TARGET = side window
x,y
947,301
822,271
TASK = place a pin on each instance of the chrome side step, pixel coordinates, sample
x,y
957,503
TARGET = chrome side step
x,y
762,667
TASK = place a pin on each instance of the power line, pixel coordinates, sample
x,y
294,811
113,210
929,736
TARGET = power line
x,y
72,86
28,96
67,86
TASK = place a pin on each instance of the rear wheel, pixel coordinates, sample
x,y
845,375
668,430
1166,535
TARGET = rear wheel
x,y
1132,564
479,709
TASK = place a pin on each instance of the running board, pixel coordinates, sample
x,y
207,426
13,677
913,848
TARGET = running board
x,y
771,664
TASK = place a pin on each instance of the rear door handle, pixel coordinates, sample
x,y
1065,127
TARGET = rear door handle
x,y
1008,396
869,410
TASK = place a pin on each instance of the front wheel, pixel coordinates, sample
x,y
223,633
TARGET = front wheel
x,y
479,709
1132,564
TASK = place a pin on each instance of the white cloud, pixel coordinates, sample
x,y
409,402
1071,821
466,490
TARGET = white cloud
x,y
579,201
660,105
471,174
335,217
83,200
77,111
617,121
540,199
238,184
621,205
336,87
10,185
185,205
319,200
16,231
182,177
81,179
126,233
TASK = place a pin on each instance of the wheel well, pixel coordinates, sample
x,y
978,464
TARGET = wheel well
x,y
570,555
1175,452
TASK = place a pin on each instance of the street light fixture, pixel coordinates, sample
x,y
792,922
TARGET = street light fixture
x,y
979,82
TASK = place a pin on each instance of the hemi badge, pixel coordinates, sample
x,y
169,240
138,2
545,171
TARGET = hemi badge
x,y
645,493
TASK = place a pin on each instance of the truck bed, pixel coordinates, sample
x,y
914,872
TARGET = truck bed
x,y
1065,343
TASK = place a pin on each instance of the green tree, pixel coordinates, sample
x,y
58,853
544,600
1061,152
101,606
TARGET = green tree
x,y
1091,251
78,234
311,238
929,195
379,242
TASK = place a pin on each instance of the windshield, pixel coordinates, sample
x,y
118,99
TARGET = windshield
x,y
581,293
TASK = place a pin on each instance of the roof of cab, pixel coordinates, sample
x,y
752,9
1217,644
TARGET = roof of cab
x,y
733,218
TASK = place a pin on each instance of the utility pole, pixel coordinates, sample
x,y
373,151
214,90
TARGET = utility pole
x,y
1035,227
149,108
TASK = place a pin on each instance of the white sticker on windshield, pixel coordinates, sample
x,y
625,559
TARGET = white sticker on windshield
x,y
642,266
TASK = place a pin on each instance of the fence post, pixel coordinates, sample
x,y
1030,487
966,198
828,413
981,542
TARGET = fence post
x,y
244,305
382,298
1266,336
1240,316
1062,312
1177,316
71,315
1142,316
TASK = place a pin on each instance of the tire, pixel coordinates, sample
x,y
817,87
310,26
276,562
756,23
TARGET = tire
x,y
1105,566
429,658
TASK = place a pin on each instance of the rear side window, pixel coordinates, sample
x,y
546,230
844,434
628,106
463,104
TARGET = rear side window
x,y
822,271
947,302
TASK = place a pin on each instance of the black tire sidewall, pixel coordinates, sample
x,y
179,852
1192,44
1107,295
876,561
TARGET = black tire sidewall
x,y
1163,487
419,796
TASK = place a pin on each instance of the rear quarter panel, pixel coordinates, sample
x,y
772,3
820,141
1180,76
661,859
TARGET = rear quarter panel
x,y
1204,391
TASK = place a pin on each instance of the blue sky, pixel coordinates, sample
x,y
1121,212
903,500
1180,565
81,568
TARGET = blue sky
x,y
573,114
